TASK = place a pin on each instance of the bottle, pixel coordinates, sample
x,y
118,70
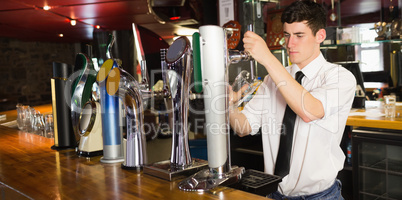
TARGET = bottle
x,y
349,152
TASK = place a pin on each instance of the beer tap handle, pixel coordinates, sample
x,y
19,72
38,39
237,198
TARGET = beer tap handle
x,y
250,27
197,63
144,83
110,43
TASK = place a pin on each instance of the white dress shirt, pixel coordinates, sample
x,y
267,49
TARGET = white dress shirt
x,y
316,155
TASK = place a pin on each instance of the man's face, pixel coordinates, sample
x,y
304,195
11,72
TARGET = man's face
x,y
302,46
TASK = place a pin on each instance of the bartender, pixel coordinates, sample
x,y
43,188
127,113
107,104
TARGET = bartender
x,y
301,121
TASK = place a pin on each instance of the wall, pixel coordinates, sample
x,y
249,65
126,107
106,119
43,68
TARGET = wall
x,y
26,69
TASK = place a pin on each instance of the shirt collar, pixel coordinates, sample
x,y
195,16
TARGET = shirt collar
x,y
311,70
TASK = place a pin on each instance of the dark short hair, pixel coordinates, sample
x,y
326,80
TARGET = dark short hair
x,y
306,10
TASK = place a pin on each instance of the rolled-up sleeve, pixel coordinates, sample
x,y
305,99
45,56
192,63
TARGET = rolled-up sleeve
x,y
336,93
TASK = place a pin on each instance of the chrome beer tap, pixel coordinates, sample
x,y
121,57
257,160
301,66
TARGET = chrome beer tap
x,y
176,73
120,83
215,60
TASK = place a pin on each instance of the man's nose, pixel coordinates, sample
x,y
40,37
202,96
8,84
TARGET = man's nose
x,y
290,42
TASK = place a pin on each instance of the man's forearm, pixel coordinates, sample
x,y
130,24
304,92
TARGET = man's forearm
x,y
239,123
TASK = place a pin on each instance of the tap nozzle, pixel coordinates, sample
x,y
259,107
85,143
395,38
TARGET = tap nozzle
x,y
236,56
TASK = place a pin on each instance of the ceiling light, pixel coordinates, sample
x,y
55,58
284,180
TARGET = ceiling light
x,y
46,7
61,35
73,22
97,27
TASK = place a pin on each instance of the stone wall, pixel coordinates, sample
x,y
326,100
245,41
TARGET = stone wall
x,y
26,70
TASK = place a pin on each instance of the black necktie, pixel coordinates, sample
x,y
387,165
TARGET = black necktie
x,y
285,146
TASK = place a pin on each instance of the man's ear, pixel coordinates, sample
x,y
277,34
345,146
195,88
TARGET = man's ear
x,y
321,35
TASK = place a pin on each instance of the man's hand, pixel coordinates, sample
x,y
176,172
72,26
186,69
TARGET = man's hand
x,y
256,46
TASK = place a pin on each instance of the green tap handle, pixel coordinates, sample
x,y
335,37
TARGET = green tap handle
x,y
197,63
86,79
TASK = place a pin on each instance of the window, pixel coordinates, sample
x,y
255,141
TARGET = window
x,y
371,58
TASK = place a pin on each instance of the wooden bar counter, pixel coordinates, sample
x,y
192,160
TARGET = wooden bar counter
x,y
30,169
372,117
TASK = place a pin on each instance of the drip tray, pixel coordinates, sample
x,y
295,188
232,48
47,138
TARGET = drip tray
x,y
257,182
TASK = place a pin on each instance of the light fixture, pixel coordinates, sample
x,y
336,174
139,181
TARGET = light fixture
x,y
73,22
97,26
391,7
61,35
46,7
333,16
185,31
